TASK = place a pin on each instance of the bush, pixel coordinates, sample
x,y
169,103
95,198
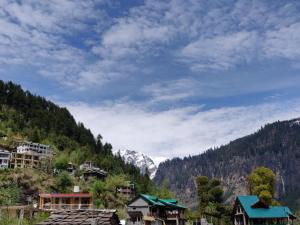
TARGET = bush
x,y
64,182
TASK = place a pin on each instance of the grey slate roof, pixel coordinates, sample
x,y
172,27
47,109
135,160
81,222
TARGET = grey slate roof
x,y
83,217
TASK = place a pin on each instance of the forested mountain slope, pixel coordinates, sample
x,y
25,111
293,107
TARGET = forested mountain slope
x,y
276,146
24,116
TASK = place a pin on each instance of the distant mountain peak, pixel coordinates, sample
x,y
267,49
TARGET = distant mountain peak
x,y
140,160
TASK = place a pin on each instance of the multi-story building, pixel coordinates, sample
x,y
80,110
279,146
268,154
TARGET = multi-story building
x,y
4,158
42,150
89,171
151,210
25,160
127,191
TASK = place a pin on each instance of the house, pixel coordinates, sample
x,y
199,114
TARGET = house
x,y
250,210
4,158
86,165
41,150
71,168
30,155
24,160
150,210
55,201
86,217
90,171
127,191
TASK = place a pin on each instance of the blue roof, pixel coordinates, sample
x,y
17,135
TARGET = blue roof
x,y
271,212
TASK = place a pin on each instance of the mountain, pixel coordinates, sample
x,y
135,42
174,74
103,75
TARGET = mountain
x,y
140,160
25,116
276,146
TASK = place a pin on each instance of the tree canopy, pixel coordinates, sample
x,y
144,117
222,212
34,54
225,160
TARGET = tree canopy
x,y
262,183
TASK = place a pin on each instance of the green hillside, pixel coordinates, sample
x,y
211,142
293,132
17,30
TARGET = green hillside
x,y
24,116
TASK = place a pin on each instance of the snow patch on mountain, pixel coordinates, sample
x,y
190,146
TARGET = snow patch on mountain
x,y
140,160
296,122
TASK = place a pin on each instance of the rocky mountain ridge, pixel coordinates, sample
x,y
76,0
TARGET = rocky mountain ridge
x,y
276,146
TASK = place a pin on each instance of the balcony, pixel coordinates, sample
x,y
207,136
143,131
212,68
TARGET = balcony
x,y
50,207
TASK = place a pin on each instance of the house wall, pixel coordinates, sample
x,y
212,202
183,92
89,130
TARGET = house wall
x,y
42,150
139,205
24,160
159,213
54,203
139,202
4,159
240,217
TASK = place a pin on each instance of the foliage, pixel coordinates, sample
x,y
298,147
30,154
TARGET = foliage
x,y
61,162
5,219
98,190
164,191
262,183
27,181
63,182
209,193
104,193
9,195
211,202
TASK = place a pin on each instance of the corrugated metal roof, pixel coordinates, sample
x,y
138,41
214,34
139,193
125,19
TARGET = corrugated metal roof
x,y
152,199
272,212
162,202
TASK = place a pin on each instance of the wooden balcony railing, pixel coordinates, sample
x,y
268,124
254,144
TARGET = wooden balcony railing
x,y
66,206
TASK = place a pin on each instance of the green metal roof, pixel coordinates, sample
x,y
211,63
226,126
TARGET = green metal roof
x,y
271,212
162,202
152,199
173,201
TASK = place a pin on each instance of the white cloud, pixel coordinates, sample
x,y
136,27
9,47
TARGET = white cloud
x,y
230,35
220,52
172,90
284,42
180,131
204,35
37,35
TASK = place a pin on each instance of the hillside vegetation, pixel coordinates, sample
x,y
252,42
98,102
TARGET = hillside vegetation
x,y
276,146
24,116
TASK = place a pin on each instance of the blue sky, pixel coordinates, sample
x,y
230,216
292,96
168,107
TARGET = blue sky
x,y
168,78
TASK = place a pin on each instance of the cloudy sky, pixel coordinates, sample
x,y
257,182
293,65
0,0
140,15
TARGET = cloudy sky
x,y
168,78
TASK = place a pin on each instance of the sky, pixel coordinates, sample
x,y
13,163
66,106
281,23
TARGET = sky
x,y
167,78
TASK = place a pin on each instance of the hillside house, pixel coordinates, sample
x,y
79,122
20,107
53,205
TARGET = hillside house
x,y
150,210
70,201
24,160
71,168
127,191
4,158
41,150
86,217
90,171
30,155
249,210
